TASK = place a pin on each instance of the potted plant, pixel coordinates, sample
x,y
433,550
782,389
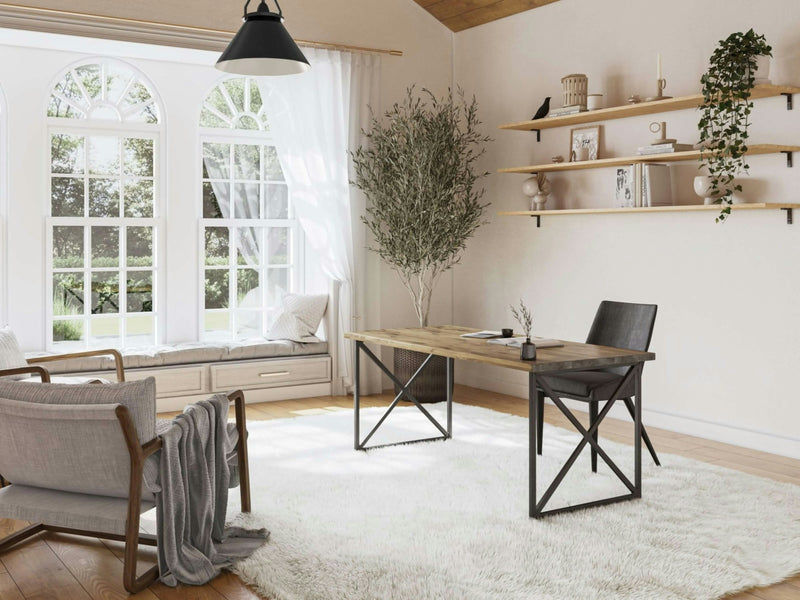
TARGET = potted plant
x,y
725,112
418,171
523,316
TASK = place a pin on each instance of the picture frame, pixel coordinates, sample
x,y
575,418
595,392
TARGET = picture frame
x,y
584,137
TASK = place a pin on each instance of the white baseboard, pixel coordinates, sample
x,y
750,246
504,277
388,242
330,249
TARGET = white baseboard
x,y
719,432
294,392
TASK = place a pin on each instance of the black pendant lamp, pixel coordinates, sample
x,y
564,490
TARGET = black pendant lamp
x,y
263,46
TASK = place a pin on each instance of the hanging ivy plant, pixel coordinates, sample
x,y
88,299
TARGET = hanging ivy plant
x,y
725,112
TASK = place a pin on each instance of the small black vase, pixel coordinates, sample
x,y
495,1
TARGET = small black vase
x,y
527,350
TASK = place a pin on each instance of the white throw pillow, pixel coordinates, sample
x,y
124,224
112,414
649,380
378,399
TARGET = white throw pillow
x,y
11,357
299,319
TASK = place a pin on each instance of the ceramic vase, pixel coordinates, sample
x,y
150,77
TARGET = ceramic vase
x,y
702,187
527,350
761,75
539,200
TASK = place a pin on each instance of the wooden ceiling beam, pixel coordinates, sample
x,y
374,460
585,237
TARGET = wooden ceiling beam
x,y
459,15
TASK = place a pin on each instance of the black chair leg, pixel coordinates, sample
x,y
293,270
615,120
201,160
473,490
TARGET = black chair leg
x,y
539,420
592,419
645,437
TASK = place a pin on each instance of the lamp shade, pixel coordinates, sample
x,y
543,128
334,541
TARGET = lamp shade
x,y
262,47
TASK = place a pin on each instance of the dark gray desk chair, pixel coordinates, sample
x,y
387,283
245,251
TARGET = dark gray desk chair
x,y
619,325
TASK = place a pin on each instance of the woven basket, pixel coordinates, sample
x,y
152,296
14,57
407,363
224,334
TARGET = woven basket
x,y
431,384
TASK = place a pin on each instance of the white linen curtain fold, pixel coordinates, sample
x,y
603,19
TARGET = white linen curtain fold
x,y
316,120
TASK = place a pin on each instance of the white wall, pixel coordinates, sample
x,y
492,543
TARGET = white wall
x,y
726,334
30,62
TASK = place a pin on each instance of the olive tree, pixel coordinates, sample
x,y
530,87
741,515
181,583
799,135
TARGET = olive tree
x,y
418,172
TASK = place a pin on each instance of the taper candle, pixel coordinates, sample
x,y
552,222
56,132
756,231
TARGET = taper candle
x,y
660,74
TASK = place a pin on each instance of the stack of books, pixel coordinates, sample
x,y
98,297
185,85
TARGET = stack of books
x,y
643,185
567,110
663,148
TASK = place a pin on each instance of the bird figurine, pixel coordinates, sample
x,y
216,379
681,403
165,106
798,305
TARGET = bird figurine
x,y
543,109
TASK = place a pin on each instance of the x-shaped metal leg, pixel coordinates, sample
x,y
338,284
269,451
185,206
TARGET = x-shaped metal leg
x,y
536,507
405,391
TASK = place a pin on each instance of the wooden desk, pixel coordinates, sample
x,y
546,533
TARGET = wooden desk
x,y
446,341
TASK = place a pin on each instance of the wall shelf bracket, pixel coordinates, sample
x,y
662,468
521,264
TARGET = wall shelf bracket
x,y
538,220
789,104
789,158
788,215
538,134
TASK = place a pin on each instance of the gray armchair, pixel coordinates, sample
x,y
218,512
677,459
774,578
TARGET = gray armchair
x,y
75,456
618,325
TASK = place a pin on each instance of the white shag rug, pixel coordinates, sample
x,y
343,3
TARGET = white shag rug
x,y
448,520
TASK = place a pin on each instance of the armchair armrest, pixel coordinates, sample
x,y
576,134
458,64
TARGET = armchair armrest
x,y
237,397
34,370
105,352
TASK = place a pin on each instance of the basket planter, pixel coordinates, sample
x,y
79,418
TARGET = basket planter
x,y
431,384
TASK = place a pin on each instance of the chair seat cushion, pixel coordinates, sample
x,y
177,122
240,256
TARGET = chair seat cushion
x,y
65,509
589,385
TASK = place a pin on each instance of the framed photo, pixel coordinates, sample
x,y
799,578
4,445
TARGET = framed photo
x,y
584,137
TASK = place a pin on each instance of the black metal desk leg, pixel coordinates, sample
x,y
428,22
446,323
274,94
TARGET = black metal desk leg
x,y
533,429
637,436
450,384
357,395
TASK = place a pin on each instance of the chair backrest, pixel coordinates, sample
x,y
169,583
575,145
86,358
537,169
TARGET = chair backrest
x,y
71,448
623,325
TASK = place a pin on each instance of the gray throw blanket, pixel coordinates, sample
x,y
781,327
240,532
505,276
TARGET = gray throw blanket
x,y
190,482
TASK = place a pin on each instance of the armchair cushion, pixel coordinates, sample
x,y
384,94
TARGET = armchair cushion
x,y
138,396
11,357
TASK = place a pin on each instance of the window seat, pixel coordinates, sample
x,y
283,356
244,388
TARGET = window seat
x,y
184,373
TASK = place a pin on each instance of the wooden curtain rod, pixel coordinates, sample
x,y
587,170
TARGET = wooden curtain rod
x,y
54,20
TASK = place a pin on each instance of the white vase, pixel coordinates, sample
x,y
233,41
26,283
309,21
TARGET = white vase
x,y
761,75
702,187
539,200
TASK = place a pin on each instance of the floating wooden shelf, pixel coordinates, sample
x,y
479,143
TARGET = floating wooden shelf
x,y
643,108
538,214
627,160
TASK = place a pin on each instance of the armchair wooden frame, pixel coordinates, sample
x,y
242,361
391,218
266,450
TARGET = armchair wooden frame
x,y
132,537
34,364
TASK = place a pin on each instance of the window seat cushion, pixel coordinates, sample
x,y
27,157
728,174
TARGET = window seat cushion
x,y
186,353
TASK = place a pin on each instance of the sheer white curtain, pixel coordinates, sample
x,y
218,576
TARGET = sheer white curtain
x,y
316,120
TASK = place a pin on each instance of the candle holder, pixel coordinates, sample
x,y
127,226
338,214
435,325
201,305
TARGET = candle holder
x,y
661,83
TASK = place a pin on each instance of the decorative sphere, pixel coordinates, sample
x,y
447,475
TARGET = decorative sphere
x,y
530,187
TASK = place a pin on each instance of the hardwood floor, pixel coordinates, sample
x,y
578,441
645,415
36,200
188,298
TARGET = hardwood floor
x,y
63,567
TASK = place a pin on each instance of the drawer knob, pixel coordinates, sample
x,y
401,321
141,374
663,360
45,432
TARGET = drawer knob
x,y
273,374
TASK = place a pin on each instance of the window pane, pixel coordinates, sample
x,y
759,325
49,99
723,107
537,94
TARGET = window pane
x,y
276,201
68,330
118,78
139,198
248,292
217,240
103,198
248,323
216,161
139,157
104,155
105,293
211,209
209,119
67,247
217,324
89,76
277,285
247,162
217,287
105,331
67,294
235,89
272,168
246,122
140,330
248,245
217,101
105,246
66,197
140,246
255,97
278,246
140,291
66,153
246,201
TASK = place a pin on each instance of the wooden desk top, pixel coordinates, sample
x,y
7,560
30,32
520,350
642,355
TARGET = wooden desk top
x,y
445,341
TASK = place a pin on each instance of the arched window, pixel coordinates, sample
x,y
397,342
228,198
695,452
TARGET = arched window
x,y
251,240
105,136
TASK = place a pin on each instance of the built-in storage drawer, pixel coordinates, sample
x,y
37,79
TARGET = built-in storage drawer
x,y
270,373
174,380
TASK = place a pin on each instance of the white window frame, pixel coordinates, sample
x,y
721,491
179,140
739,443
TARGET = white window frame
x,y
296,249
3,208
88,127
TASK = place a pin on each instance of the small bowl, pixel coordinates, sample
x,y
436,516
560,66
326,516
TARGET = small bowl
x,y
507,332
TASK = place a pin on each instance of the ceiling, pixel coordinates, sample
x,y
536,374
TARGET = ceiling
x,y
463,14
